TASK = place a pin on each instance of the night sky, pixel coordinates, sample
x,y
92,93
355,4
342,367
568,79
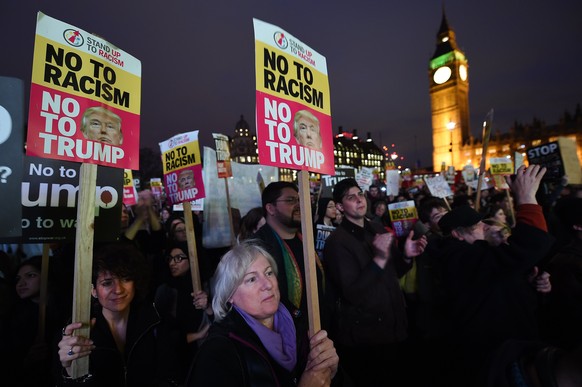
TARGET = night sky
x,y
525,59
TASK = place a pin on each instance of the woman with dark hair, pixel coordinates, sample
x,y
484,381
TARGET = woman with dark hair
x,y
253,340
251,223
24,349
130,345
176,299
326,212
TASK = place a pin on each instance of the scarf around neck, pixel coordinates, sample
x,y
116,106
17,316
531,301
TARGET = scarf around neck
x,y
279,342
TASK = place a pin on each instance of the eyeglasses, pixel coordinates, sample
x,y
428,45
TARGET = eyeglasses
x,y
177,258
353,197
180,230
290,201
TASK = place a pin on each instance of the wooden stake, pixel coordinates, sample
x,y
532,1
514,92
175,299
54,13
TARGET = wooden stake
x,y
309,254
486,136
84,260
192,253
43,292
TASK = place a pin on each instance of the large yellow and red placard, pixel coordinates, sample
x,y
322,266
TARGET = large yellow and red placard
x,y
84,98
182,168
293,102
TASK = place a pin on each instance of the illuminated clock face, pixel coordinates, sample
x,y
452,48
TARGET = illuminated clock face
x,y
442,75
463,72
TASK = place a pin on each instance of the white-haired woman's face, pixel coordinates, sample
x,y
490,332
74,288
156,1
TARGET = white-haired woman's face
x,y
258,294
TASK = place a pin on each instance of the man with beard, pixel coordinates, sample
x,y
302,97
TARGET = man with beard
x,y
282,238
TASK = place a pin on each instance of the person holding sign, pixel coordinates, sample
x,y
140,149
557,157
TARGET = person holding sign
x,y
130,345
306,129
100,124
253,340
362,264
489,296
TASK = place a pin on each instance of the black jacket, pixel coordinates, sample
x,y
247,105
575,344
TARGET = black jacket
x,y
233,355
150,358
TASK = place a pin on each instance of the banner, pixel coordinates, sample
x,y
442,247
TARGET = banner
x,y
11,154
222,155
403,216
293,102
328,182
129,191
216,227
84,98
182,168
49,201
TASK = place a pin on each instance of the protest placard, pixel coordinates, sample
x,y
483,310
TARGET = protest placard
x,y
328,182
129,191
84,98
293,102
403,216
560,158
321,233
438,186
49,197
392,182
182,168
364,177
501,166
11,154
223,166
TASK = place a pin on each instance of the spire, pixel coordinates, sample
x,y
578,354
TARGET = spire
x,y
446,40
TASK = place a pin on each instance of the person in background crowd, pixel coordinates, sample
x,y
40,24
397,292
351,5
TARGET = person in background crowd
x,y
488,294
254,340
251,223
176,299
362,264
130,345
326,212
24,352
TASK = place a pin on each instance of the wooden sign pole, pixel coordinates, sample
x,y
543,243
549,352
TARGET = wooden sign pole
x,y
309,253
84,260
192,252
486,136
232,236
43,291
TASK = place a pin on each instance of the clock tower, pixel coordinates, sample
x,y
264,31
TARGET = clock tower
x,y
449,99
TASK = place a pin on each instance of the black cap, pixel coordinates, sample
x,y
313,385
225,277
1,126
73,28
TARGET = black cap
x,y
462,216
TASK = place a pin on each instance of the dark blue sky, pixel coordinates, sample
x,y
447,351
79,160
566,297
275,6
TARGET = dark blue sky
x,y
198,59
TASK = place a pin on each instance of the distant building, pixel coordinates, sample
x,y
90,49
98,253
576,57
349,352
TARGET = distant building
x,y
349,150
243,145
453,143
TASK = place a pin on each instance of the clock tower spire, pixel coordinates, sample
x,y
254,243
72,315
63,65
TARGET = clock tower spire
x,y
449,99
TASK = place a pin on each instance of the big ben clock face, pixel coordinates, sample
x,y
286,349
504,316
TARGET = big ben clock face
x,y
442,75
463,72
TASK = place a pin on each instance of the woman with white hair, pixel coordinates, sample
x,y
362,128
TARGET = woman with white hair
x,y
253,339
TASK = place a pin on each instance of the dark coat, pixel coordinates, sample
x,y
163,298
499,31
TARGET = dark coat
x,y
233,355
150,358
371,306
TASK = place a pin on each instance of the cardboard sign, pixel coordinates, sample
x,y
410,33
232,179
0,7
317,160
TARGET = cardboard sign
x,y
222,155
11,154
182,168
468,173
501,166
328,182
293,102
364,178
392,182
49,201
559,158
84,98
129,191
438,186
403,216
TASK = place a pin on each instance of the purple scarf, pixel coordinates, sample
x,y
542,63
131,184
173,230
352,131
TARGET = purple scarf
x,y
280,342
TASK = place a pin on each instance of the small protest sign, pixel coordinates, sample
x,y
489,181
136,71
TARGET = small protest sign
x,y
438,186
223,166
403,216
182,168
129,191
501,166
364,177
392,182
560,158
328,182
321,233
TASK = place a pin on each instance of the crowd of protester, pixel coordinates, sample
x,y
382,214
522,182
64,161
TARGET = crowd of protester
x,y
486,290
